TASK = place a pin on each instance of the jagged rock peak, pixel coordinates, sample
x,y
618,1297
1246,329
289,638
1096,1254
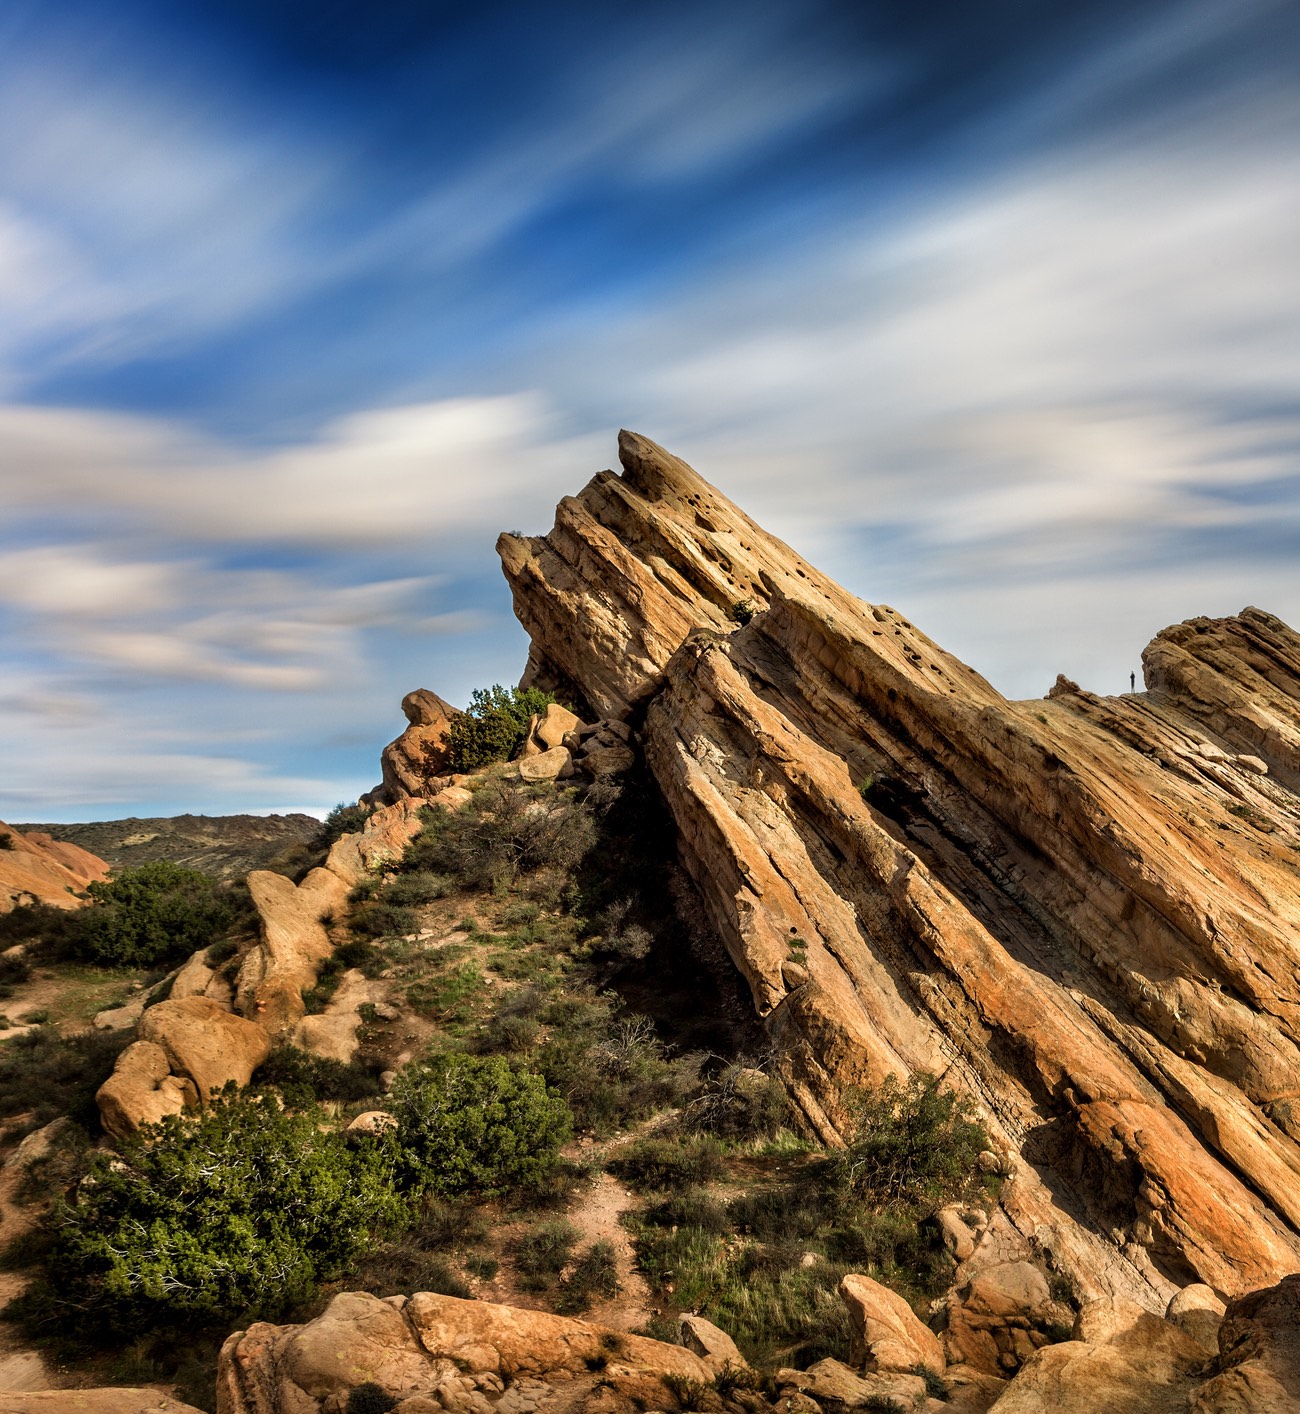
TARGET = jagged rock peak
x,y
1084,911
637,562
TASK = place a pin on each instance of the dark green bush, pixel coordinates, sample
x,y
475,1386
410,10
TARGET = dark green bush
x,y
911,1144
45,1074
154,914
476,1123
543,1252
668,1163
235,1212
402,1268
494,725
344,819
381,919
302,1078
506,831
13,972
409,890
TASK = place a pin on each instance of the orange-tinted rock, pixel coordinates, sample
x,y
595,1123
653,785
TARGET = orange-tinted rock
x,y
205,1043
1083,910
421,750
141,1090
36,868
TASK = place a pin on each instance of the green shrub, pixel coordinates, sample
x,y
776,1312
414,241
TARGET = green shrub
x,y
543,1252
402,1268
6,840
654,1163
594,1278
506,831
476,1123
302,1078
235,1212
417,887
913,1144
378,918
482,1266
154,914
738,1103
493,727
344,819
45,1074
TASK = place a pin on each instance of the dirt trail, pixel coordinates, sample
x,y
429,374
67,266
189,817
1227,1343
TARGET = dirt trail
x,y
598,1216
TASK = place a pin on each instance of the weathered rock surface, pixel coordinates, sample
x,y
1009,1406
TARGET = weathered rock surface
x,y
1083,911
424,1345
204,1043
421,750
887,1335
1258,1368
142,1090
36,868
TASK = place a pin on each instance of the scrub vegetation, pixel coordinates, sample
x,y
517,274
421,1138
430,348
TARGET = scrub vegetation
x,y
550,1015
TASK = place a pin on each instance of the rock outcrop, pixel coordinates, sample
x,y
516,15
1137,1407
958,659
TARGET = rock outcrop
x,y
453,1353
420,753
1084,911
36,868
203,1036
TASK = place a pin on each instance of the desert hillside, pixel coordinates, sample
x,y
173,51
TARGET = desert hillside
x,y
751,1010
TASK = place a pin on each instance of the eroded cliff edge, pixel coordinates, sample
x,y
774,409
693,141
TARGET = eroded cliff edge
x,y
1085,911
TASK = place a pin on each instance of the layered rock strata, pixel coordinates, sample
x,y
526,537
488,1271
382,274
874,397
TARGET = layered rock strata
x,y
36,868
1083,911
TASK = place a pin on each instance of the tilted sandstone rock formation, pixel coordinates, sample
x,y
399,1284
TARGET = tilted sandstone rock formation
x,y
1083,911
35,868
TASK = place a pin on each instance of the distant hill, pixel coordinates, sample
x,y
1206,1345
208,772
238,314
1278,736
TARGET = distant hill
x,y
224,846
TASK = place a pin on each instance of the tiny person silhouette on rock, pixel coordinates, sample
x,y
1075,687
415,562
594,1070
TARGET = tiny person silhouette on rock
x,y
1132,682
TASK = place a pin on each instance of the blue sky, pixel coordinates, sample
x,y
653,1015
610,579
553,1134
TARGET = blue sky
x,y
992,309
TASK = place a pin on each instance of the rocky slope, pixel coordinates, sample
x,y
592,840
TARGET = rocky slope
x,y
225,846
1084,911
37,868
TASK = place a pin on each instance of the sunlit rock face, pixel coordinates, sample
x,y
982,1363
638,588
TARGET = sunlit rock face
x,y
1084,911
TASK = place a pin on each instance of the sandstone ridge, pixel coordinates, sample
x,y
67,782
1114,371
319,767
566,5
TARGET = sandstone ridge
x,y
1083,911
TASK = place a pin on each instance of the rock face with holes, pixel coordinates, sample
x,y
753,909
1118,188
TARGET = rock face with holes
x,y
1083,911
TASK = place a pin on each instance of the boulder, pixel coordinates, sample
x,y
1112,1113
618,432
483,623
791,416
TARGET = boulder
x,y
294,942
998,1319
141,1090
428,1346
600,761
451,798
421,750
1127,1360
1259,1355
957,1237
549,728
1198,1311
886,1333
372,1122
332,1033
713,1345
833,1383
546,766
204,1043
